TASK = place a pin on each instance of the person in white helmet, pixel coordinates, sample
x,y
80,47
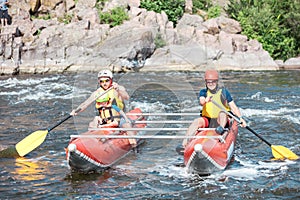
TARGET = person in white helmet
x,y
115,95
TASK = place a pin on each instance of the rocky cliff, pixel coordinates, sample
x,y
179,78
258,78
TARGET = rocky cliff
x,y
147,41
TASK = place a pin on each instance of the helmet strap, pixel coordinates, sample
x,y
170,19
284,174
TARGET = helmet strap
x,y
214,91
109,85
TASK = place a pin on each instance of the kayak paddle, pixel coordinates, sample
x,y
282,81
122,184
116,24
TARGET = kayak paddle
x,y
279,152
36,138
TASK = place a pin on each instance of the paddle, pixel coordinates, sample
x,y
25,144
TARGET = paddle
x,y
132,142
122,113
279,152
36,138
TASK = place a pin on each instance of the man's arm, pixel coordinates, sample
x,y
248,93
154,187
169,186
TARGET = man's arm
x,y
121,91
236,111
85,104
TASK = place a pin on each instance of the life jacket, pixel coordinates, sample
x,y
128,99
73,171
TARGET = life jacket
x,y
104,105
210,110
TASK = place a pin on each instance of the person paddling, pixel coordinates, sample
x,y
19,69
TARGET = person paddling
x,y
211,115
115,95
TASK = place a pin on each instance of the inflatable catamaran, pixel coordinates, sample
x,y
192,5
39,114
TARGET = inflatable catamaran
x,y
99,149
95,154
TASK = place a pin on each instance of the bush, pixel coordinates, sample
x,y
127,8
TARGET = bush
x,y
159,41
115,17
66,19
214,11
173,8
201,5
206,5
274,23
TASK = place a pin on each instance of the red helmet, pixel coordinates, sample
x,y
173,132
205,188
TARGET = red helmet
x,y
211,74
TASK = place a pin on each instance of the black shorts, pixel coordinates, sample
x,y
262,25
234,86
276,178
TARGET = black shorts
x,y
213,122
3,14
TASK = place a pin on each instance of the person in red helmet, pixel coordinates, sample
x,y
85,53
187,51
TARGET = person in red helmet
x,y
115,95
211,115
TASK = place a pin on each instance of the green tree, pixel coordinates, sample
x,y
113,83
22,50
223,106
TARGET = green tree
x,y
202,5
173,8
274,23
115,17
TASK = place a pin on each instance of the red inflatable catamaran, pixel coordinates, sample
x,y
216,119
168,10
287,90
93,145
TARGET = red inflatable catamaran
x,y
207,155
92,154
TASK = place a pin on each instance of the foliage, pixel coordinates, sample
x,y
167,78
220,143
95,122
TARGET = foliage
x,y
66,19
214,11
274,23
159,41
43,17
206,5
173,8
201,5
115,17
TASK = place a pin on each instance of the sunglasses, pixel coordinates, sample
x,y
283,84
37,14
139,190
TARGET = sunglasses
x,y
104,80
211,81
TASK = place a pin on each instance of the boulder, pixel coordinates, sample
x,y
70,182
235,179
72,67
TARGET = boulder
x,y
292,63
147,41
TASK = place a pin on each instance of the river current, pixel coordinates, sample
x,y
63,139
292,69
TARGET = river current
x,y
269,101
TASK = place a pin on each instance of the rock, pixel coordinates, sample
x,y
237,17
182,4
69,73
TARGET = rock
x,y
246,61
280,64
188,6
109,5
85,4
134,3
148,41
228,25
292,63
212,26
226,42
190,20
179,57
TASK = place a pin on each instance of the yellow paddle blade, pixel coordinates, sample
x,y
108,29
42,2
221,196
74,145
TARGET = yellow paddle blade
x,y
31,142
281,152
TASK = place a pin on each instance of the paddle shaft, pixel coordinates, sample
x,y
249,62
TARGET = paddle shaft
x,y
78,110
279,152
239,121
259,136
35,139
59,123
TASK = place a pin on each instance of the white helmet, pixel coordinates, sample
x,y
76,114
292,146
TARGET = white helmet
x,y
105,73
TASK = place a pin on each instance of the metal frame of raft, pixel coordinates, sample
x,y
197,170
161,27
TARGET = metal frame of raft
x,y
147,129
145,136
164,114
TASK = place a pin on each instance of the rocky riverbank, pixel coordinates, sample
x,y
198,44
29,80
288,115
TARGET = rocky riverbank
x,y
148,41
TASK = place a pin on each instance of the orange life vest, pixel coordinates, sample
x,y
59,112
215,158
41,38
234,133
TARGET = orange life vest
x,y
104,105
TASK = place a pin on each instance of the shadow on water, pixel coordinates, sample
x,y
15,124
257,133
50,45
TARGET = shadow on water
x,y
77,178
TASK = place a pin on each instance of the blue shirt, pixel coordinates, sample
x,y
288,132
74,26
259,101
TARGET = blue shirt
x,y
3,5
225,94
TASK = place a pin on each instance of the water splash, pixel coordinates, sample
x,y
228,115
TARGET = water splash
x,y
250,170
30,89
291,114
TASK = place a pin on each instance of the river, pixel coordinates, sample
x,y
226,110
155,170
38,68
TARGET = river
x,y
270,102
